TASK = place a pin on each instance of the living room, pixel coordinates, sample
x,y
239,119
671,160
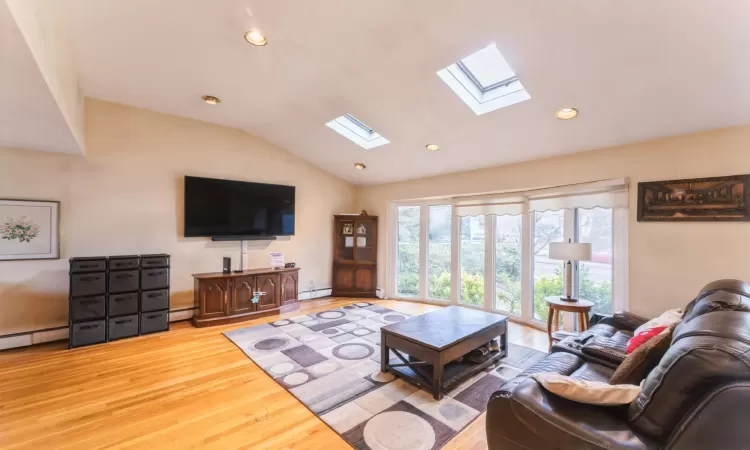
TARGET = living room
x,y
591,166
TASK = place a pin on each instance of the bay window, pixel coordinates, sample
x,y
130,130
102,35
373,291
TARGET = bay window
x,y
492,251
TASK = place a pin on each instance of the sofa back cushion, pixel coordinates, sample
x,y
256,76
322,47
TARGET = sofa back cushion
x,y
721,295
705,352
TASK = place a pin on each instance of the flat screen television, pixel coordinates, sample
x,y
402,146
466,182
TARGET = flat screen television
x,y
224,208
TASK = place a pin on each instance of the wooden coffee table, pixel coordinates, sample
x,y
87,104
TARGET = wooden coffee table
x,y
437,338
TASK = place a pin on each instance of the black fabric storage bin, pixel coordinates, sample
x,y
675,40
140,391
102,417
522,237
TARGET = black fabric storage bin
x,y
152,322
154,278
87,308
123,304
154,261
83,284
86,333
80,265
123,281
154,300
122,327
124,262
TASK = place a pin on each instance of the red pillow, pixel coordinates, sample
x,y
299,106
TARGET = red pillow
x,y
643,337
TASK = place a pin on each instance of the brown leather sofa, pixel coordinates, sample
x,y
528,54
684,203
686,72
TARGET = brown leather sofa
x,y
698,397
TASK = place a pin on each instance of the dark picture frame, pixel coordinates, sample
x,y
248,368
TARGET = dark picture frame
x,y
712,199
53,227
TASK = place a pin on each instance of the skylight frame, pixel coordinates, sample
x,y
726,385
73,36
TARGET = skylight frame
x,y
480,98
357,131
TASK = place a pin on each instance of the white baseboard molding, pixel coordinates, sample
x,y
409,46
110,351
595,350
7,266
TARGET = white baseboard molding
x,y
181,314
33,338
307,295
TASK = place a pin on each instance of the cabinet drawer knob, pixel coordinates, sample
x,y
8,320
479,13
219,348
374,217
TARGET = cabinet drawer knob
x,y
88,327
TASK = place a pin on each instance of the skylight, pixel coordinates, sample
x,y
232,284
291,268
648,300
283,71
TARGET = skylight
x,y
356,131
484,81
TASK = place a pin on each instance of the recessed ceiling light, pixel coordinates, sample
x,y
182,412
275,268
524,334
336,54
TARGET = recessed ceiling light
x,y
566,113
432,147
255,37
211,100
360,166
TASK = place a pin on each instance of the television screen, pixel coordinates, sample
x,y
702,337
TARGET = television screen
x,y
215,208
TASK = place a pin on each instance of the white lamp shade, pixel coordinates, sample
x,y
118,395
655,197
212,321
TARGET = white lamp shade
x,y
570,251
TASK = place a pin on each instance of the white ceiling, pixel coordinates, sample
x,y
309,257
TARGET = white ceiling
x,y
30,118
635,69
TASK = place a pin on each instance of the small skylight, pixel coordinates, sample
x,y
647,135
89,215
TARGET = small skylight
x,y
484,81
353,129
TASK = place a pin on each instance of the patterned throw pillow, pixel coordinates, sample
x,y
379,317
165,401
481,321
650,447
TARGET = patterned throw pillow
x,y
643,337
653,327
667,318
637,365
585,391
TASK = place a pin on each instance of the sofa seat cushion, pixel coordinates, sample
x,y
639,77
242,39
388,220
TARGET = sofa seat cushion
x,y
592,372
562,363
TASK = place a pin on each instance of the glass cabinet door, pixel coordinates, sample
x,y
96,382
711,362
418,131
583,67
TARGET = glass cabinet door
x,y
364,240
346,239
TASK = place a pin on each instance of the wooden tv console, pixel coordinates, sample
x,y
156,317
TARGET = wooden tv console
x,y
224,298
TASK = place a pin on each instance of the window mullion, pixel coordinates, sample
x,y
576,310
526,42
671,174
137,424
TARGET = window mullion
x,y
455,256
527,269
489,262
570,235
424,220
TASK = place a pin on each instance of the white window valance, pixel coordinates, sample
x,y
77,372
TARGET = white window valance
x,y
602,194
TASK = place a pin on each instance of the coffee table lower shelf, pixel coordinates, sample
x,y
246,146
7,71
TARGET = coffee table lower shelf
x,y
420,373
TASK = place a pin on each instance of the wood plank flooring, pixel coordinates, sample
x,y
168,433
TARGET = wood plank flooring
x,y
187,388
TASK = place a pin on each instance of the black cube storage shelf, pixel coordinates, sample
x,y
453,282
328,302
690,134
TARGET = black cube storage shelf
x,y
117,297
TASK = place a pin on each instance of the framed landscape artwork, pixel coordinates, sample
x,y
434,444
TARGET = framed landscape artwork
x,y
699,199
29,229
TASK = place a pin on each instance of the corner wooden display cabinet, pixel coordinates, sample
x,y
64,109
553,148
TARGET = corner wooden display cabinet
x,y
355,255
224,298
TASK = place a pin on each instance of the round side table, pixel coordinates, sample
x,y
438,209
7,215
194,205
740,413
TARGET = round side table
x,y
557,305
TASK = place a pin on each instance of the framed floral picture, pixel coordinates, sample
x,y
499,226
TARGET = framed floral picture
x,y
29,229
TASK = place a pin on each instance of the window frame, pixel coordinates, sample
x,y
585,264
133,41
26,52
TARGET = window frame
x,y
570,231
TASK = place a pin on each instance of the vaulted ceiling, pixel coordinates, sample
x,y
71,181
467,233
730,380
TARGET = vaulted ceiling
x,y
636,70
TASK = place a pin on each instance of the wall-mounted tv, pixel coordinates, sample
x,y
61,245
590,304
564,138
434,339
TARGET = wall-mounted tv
x,y
224,208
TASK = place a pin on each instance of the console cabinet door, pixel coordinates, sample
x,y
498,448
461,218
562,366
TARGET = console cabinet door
x,y
289,287
213,297
242,295
364,278
269,284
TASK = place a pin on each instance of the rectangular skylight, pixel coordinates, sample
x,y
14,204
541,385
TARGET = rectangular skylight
x,y
356,131
484,81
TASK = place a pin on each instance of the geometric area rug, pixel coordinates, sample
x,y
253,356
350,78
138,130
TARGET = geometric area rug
x,y
330,361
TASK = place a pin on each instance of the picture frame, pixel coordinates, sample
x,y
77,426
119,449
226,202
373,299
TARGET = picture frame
x,y
348,228
713,199
29,229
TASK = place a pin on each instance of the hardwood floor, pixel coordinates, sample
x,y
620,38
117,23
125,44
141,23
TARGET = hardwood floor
x,y
187,388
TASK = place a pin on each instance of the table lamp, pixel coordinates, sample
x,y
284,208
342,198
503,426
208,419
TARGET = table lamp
x,y
569,251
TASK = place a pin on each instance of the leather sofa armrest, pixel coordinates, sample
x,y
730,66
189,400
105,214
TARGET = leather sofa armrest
x,y
522,415
605,349
621,320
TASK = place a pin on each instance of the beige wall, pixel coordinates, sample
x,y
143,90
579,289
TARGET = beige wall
x,y
669,262
125,197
